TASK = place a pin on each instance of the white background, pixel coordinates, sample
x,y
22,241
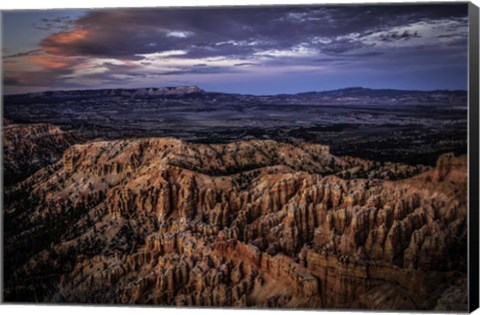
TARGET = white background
x,y
83,310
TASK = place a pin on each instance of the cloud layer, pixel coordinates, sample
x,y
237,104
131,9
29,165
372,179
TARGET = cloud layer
x,y
145,47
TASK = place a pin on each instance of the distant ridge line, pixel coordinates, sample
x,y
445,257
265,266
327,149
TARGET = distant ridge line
x,y
192,89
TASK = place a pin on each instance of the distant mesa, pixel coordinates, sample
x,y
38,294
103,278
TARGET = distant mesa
x,y
163,91
346,96
171,90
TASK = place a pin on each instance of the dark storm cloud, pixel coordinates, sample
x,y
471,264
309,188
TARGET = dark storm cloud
x,y
337,47
235,32
54,24
244,64
363,54
398,36
122,45
23,54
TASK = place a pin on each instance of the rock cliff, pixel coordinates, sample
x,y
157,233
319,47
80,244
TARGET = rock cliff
x,y
250,223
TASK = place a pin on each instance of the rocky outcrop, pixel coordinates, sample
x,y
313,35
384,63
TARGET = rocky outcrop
x,y
251,223
27,148
175,90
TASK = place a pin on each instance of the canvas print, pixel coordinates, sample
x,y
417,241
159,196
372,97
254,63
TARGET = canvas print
x,y
303,157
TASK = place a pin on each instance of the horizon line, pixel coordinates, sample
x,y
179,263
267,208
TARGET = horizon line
x,y
237,93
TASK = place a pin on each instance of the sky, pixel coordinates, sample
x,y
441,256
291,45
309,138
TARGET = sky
x,y
250,50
